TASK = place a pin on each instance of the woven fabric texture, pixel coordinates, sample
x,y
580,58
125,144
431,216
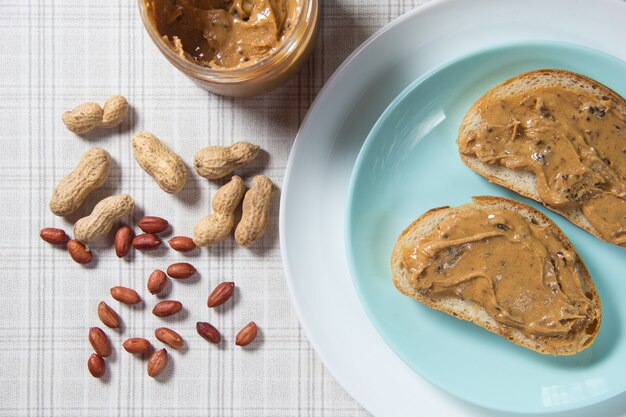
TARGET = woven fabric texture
x,y
59,53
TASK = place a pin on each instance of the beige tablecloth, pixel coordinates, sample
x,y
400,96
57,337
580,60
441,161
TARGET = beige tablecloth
x,y
59,53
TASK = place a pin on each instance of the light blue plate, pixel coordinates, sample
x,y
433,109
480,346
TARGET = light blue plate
x,y
410,164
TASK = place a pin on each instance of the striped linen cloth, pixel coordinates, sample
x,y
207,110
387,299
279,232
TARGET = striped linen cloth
x,y
59,53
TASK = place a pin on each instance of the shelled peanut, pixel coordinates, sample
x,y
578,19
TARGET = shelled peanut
x,y
181,270
208,332
108,316
54,236
182,243
96,365
169,337
137,345
125,295
157,281
220,294
246,335
167,308
146,241
100,342
157,363
153,224
79,252
123,240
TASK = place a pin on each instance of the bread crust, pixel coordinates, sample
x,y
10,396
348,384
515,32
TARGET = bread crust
x,y
523,182
472,311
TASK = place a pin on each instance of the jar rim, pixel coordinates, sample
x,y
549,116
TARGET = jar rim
x,y
232,74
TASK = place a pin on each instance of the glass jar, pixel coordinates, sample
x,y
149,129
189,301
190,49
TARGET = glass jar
x,y
264,75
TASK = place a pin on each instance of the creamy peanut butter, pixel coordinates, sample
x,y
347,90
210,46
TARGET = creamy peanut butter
x,y
520,272
574,143
224,33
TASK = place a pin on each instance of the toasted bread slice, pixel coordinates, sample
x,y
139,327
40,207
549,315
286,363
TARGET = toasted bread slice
x,y
521,181
469,310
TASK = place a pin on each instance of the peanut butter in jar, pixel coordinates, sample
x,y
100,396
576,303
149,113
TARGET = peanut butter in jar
x,y
234,47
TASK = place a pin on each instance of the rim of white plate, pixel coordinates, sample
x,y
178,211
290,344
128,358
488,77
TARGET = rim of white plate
x,y
432,6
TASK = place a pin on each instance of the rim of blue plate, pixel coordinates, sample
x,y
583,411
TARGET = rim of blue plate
x,y
349,219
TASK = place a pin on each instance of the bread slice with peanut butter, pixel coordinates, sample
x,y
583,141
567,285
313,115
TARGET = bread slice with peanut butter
x,y
559,138
504,266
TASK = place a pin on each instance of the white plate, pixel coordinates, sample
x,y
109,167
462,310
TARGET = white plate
x,y
316,182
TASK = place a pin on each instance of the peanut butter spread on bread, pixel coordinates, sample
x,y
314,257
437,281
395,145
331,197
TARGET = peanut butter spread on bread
x,y
224,33
520,272
573,142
